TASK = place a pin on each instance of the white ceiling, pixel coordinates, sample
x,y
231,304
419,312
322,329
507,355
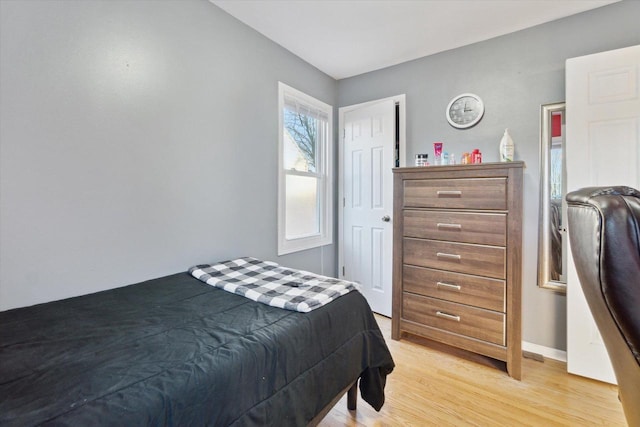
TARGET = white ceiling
x,y
344,38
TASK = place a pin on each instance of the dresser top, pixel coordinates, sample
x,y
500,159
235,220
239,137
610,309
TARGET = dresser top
x,y
466,167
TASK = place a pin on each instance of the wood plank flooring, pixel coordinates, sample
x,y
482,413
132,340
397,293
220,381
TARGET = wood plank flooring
x,y
436,385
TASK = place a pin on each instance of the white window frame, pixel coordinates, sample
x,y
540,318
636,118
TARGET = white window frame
x,y
324,172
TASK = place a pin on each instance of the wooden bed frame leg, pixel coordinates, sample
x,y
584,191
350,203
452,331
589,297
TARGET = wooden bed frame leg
x,y
352,396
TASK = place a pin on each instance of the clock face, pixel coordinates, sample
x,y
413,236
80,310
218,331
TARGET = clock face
x,y
465,110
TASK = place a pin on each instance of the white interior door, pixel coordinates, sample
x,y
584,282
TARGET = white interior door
x,y
368,155
603,148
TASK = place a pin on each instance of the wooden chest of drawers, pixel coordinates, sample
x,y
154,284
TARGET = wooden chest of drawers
x,y
457,257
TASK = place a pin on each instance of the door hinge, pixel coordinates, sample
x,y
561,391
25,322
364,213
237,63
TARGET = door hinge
x,y
344,133
344,202
343,270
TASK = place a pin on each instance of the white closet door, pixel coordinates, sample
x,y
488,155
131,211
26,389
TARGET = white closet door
x,y
603,148
367,233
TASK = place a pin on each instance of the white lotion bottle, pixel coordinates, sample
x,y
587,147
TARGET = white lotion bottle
x,y
506,147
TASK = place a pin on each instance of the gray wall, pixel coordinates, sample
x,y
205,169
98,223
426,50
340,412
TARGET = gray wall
x,y
514,75
137,138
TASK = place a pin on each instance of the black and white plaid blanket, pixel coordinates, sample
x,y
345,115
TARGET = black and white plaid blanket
x,y
271,284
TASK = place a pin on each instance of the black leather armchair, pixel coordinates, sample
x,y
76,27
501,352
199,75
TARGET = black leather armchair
x,y
604,233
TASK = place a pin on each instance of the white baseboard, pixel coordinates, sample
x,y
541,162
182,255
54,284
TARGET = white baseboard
x,y
549,352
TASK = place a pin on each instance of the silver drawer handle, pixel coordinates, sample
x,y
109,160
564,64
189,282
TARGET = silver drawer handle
x,y
448,286
447,316
449,193
445,225
445,255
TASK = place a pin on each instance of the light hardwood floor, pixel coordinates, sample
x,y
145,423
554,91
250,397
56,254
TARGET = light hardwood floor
x,y
439,386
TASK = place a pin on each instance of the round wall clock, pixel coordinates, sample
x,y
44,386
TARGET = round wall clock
x,y
465,110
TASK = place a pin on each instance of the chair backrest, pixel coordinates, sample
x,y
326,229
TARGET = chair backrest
x,y
604,233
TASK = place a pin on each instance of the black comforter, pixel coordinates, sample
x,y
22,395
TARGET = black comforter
x,y
175,351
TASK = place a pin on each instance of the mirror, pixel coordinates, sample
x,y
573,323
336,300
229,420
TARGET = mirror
x,y
552,240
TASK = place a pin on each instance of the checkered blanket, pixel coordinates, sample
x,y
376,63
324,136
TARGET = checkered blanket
x,y
271,284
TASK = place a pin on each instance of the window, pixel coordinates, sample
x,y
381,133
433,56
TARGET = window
x,y
304,181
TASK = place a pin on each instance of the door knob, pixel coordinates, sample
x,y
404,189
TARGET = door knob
x,y
386,218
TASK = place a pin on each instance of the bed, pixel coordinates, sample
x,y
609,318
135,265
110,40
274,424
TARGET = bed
x,y
177,351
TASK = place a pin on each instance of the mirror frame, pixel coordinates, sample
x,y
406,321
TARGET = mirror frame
x,y
544,241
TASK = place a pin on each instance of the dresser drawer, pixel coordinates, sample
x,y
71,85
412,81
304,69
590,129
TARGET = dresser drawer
x,y
481,228
477,291
461,193
458,318
478,260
